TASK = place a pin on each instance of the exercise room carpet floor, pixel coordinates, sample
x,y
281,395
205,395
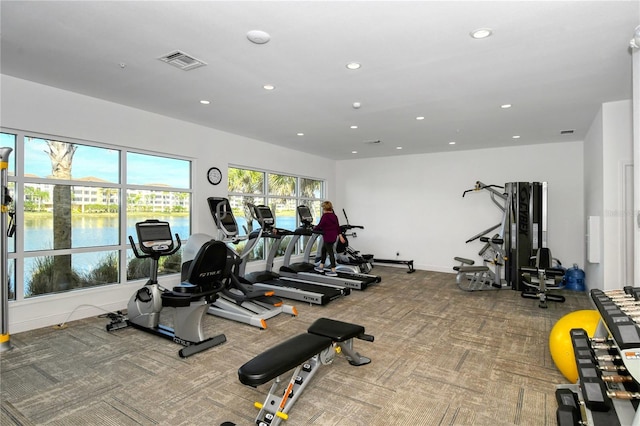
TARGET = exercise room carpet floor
x,y
441,356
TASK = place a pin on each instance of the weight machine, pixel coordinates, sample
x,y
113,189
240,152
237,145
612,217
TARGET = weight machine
x,y
471,277
526,229
520,233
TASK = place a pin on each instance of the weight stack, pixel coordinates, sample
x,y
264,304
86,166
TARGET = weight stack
x,y
526,228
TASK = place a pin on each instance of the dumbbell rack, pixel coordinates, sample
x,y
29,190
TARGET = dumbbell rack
x,y
607,392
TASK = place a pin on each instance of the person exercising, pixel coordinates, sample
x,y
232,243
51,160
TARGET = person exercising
x,y
330,228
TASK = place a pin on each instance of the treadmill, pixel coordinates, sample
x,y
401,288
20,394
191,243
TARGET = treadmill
x,y
287,287
305,269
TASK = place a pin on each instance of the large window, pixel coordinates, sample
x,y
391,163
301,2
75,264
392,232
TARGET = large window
x,y
77,203
283,193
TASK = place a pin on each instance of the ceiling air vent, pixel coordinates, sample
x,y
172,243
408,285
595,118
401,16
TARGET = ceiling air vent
x,y
566,132
182,60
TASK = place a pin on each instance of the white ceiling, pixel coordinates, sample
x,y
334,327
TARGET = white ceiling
x,y
556,62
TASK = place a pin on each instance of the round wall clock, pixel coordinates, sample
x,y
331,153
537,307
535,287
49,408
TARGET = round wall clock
x,y
214,175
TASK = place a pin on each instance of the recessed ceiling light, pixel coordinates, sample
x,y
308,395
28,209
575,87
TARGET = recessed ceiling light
x,y
268,87
205,102
515,137
481,33
258,37
354,152
398,147
505,106
354,127
300,134
452,143
353,65
420,118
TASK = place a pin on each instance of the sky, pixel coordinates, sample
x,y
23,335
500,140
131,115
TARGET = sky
x,y
103,163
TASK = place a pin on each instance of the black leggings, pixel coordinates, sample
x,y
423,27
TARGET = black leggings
x,y
327,248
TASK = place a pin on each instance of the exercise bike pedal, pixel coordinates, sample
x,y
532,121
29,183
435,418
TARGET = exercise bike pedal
x,y
117,324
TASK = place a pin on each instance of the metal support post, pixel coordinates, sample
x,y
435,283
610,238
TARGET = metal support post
x,y
5,200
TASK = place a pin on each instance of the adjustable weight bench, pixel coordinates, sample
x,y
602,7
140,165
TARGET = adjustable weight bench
x,y
306,353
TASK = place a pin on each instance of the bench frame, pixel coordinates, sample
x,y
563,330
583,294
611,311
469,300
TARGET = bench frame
x,y
334,336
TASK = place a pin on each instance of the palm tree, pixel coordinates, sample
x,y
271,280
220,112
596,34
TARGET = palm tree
x,y
310,188
108,194
33,194
180,199
133,201
282,185
246,182
61,156
41,196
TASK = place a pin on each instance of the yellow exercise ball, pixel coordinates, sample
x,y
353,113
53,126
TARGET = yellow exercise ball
x,y
560,340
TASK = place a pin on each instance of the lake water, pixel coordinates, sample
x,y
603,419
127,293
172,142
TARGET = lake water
x,y
91,231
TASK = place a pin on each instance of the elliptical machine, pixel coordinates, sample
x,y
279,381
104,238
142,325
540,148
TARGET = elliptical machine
x,y
191,298
238,300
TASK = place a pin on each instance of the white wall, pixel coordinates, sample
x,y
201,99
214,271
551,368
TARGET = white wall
x,y
618,152
608,149
593,198
34,107
636,161
411,204
414,205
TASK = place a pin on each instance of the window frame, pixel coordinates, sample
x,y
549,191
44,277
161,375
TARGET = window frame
x,y
297,197
123,249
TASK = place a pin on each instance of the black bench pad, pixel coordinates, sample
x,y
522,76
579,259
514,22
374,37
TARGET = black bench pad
x,y
471,268
337,331
282,358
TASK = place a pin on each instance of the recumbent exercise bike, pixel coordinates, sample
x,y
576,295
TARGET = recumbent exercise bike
x,y
190,299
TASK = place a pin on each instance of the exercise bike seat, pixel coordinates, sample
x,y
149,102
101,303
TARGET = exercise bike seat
x,y
282,358
186,293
